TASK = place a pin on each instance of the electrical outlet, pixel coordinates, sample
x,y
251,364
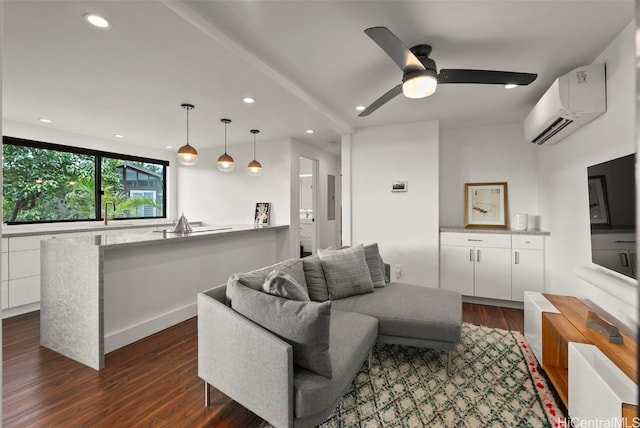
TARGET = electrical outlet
x,y
398,270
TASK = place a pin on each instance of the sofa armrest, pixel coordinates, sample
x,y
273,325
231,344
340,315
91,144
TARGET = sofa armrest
x,y
244,361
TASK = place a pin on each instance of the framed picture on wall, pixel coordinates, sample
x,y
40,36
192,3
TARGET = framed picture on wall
x,y
598,202
485,205
261,216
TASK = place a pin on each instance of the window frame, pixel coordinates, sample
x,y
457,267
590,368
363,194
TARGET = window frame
x,y
98,156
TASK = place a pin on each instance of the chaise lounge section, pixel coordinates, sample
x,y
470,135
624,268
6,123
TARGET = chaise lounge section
x,y
260,368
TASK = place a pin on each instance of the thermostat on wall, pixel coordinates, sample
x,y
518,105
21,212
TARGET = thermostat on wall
x,y
399,186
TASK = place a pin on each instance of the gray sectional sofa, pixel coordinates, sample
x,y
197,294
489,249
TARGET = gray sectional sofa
x,y
290,359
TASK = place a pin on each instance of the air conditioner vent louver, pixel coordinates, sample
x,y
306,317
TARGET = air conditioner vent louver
x,y
555,127
572,101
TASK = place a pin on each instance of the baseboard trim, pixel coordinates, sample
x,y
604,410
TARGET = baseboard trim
x,y
20,310
118,339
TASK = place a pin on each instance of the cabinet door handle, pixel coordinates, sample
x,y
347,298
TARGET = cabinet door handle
x,y
634,260
624,260
471,255
517,261
625,242
478,254
474,240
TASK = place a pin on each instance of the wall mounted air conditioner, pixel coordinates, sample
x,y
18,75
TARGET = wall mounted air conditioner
x,y
571,101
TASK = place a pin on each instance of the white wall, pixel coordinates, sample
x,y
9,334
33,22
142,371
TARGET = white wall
x,y
405,225
51,135
487,154
219,198
563,180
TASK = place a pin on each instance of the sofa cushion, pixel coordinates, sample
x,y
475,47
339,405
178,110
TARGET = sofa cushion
x,y
346,272
316,282
304,325
280,284
374,262
412,311
255,278
352,337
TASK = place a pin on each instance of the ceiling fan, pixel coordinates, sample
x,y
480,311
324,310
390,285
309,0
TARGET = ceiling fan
x,y
420,76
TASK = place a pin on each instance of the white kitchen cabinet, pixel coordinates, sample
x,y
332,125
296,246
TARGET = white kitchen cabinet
x,y
456,269
476,264
492,265
23,291
21,271
527,270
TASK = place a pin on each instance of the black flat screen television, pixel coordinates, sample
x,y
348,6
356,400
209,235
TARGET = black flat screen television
x,y
612,212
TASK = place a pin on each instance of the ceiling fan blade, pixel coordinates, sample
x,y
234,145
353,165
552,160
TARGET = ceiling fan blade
x,y
392,93
490,77
394,47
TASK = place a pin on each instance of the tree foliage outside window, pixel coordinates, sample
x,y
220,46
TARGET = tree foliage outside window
x,y
49,183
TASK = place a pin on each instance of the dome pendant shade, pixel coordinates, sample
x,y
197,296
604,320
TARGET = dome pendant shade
x,y
419,84
225,162
187,155
254,168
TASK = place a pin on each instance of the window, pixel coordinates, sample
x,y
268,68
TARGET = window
x,y
53,183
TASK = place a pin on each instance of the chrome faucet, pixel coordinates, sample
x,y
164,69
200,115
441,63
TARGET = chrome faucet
x,y
106,213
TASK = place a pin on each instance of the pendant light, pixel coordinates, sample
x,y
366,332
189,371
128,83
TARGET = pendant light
x,y
225,162
187,155
254,168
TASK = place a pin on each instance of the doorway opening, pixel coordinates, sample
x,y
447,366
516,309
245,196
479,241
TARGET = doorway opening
x,y
308,176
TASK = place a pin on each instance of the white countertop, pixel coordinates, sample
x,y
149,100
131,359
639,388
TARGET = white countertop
x,y
120,239
19,230
461,229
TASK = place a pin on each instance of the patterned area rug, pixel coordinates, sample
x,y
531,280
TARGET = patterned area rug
x,y
494,383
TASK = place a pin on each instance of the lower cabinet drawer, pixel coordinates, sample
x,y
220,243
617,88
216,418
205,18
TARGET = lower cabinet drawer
x,y
24,291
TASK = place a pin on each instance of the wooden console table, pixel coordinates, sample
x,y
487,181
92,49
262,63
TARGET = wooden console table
x,y
569,325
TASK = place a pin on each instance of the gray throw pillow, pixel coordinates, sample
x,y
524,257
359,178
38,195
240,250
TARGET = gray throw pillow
x,y
346,272
304,325
255,278
376,268
316,282
282,285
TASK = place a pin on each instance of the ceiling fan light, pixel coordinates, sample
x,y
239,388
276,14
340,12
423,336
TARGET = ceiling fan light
x,y
254,168
187,155
420,86
225,163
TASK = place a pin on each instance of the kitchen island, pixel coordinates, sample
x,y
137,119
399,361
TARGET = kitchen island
x,y
102,292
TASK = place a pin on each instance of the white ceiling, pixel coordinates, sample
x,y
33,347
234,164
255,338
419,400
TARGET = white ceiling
x,y
307,63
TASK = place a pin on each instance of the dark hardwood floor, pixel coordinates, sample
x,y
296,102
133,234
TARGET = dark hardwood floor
x,y
151,383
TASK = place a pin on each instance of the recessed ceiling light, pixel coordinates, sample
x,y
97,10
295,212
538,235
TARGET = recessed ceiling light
x,y
97,20
168,147
249,100
118,135
310,131
360,108
510,86
45,120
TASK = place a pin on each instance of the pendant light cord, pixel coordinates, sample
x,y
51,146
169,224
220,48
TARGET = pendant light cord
x,y
187,125
225,138
254,146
